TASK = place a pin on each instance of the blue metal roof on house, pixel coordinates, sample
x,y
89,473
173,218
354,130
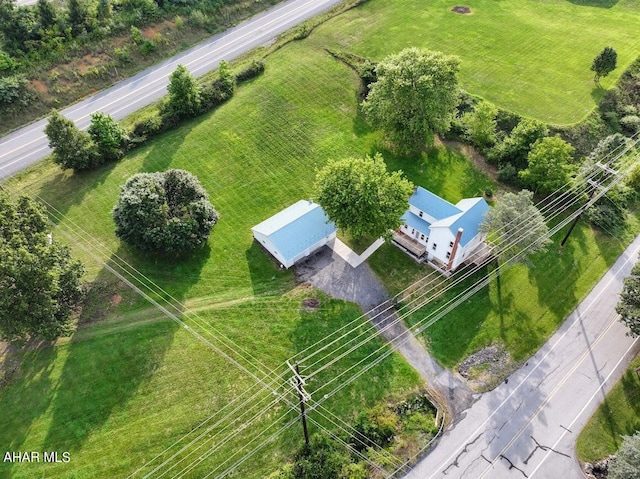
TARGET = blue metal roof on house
x,y
432,204
416,222
470,220
296,228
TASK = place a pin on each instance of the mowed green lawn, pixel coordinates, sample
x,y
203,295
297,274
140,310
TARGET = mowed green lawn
x,y
131,383
617,416
531,57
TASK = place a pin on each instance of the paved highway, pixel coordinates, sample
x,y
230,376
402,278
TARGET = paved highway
x,y
527,427
29,144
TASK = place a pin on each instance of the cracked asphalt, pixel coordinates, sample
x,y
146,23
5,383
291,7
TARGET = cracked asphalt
x,y
527,427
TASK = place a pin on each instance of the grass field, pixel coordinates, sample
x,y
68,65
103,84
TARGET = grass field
x,y
618,415
146,381
255,155
529,57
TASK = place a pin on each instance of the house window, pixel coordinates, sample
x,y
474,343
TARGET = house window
x,y
451,244
422,237
434,246
448,255
413,231
420,214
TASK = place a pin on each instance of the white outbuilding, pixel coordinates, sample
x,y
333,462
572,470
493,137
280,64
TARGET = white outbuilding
x,y
295,232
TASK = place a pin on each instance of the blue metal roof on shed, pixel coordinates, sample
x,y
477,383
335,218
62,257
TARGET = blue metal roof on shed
x,y
432,204
296,228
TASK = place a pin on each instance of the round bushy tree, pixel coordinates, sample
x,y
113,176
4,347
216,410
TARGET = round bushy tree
x,y
360,196
165,212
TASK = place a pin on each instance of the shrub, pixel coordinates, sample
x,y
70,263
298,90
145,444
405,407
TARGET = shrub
x,y
303,31
147,47
213,94
122,54
184,94
198,19
179,21
165,212
13,90
321,460
608,217
136,35
630,124
109,137
375,428
255,68
508,174
148,127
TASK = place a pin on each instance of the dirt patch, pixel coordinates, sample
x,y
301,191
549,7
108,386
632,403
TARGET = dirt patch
x,y
474,157
461,9
116,299
486,368
310,304
39,86
92,61
152,31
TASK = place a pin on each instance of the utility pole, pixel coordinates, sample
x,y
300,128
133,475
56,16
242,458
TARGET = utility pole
x,y
595,185
298,382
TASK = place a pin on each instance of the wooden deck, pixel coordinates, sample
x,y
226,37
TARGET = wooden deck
x,y
411,245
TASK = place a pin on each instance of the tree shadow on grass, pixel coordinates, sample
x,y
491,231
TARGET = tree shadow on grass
x,y
316,326
267,277
595,3
554,274
159,152
631,387
107,361
26,394
66,189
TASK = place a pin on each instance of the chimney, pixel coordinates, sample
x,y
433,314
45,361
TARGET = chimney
x,y
455,248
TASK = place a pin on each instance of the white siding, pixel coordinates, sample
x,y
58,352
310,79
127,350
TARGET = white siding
x,y
440,237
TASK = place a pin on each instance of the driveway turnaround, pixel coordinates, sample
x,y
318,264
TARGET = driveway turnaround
x,y
29,144
527,427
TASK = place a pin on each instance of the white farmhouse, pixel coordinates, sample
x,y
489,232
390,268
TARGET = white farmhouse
x,y
440,232
295,232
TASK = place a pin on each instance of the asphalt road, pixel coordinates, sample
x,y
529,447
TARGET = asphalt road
x,y
29,144
527,427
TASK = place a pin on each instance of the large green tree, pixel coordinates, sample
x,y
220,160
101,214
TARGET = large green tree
x,y
72,148
165,212
109,137
626,464
360,196
550,165
415,95
39,281
604,63
184,93
515,226
629,304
